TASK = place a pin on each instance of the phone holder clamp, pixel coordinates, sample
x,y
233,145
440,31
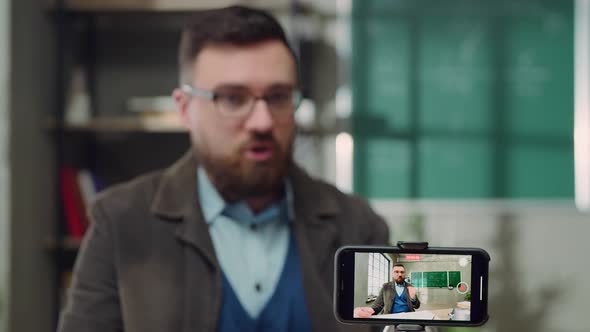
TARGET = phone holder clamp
x,y
407,327
412,245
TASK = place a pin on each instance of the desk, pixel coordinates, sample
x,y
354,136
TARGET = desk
x,y
423,315
442,314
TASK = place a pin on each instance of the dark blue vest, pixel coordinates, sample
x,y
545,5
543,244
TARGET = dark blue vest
x,y
285,311
400,303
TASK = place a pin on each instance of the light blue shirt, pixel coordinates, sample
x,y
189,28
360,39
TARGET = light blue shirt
x,y
399,289
251,249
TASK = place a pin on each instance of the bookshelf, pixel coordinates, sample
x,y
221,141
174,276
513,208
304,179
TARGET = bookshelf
x,y
105,58
122,124
165,5
107,54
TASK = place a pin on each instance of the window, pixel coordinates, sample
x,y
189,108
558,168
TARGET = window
x,y
378,273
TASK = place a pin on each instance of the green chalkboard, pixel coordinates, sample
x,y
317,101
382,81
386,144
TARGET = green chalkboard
x,y
435,279
454,278
463,98
458,159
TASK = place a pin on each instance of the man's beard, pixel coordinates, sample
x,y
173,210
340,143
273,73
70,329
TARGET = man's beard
x,y
237,178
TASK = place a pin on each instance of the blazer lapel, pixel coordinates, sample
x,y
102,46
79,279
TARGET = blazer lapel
x,y
316,234
203,282
388,295
177,200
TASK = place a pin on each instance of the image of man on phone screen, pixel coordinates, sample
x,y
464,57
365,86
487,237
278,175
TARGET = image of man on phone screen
x,y
394,297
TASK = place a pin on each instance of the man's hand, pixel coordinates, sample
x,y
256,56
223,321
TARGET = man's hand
x,y
363,312
412,292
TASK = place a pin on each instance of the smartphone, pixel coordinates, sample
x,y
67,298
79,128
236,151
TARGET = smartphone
x,y
396,285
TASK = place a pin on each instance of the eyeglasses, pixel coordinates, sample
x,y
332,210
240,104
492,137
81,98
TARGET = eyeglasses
x,y
239,102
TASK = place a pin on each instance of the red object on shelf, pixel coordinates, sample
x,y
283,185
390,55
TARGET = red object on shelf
x,y
72,202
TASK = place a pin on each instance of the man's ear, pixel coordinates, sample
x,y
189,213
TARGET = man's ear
x,y
182,101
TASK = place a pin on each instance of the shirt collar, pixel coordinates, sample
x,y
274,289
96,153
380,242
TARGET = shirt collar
x,y
213,205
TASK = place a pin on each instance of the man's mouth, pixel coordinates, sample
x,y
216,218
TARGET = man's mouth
x,y
260,151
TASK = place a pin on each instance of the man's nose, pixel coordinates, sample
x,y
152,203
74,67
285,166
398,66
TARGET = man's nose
x,y
260,119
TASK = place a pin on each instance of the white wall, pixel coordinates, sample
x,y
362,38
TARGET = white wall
x,y
539,255
4,161
437,298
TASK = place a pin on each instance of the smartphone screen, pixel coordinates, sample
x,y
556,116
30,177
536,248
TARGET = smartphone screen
x,y
389,285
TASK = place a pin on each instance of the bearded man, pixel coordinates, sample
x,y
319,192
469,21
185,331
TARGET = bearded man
x,y
234,236
394,297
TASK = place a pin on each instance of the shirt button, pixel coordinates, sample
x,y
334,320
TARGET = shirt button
x,y
253,227
258,287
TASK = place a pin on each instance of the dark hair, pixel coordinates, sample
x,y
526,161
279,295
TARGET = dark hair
x,y
236,25
398,264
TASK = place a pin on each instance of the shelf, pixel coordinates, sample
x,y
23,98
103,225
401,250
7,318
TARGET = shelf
x,y
65,251
165,5
155,124
67,243
120,124
277,7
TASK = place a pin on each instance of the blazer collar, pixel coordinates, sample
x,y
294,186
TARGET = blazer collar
x,y
176,200
176,195
309,200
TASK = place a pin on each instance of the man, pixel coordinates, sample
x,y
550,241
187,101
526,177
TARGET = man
x,y
233,236
394,297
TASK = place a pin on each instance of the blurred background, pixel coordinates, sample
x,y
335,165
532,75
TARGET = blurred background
x,y
456,118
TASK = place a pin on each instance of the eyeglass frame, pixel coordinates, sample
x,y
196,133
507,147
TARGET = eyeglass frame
x,y
212,96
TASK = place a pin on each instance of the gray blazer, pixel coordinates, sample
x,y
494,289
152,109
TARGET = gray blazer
x,y
384,301
147,263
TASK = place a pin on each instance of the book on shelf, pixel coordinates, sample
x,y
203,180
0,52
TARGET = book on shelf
x,y
90,184
78,188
